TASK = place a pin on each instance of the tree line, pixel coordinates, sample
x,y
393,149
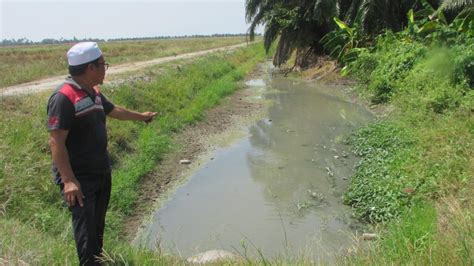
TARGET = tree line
x,y
25,41
300,25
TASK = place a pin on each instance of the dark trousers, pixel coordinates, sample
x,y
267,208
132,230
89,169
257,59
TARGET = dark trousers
x,y
88,221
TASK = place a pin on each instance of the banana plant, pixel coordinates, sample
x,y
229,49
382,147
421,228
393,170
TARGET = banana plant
x,y
342,41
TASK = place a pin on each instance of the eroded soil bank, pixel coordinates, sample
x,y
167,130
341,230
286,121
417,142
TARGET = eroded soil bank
x,y
262,176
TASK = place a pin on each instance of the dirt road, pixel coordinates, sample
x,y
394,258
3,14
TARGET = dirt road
x,y
50,83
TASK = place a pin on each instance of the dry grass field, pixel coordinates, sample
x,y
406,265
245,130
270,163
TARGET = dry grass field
x,y
22,64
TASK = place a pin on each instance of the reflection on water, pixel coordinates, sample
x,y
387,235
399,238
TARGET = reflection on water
x,y
279,189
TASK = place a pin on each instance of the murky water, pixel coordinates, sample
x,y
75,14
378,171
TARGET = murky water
x,y
279,189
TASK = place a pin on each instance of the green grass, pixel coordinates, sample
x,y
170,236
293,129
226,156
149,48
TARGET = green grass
x,y
416,174
377,188
28,63
35,224
405,241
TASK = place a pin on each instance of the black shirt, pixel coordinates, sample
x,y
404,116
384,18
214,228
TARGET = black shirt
x,y
84,115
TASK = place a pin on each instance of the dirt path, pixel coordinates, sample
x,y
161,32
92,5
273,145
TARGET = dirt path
x,y
49,83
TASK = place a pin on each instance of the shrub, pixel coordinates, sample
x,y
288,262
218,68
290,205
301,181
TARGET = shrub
x,y
390,61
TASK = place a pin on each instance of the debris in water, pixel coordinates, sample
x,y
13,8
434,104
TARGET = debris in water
x,y
336,157
369,236
303,205
213,256
330,172
317,196
300,206
184,161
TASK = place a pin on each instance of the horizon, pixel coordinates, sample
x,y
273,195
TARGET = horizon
x,y
140,38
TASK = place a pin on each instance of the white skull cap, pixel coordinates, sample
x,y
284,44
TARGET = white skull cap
x,y
83,52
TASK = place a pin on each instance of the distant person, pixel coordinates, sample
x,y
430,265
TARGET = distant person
x,y
77,113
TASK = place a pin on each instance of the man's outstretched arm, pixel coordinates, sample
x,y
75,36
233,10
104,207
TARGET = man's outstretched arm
x,y
125,114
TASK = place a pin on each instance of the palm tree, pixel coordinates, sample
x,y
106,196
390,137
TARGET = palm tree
x,y
299,24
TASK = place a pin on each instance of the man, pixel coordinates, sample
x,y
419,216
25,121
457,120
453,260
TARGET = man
x,y
77,113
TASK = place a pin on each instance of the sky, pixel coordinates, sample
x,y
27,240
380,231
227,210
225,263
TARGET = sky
x,y
106,19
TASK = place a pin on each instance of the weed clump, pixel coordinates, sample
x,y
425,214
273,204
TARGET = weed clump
x,y
378,191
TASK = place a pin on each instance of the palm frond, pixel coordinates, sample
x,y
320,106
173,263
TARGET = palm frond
x,y
325,10
252,7
284,48
270,34
456,4
258,19
349,13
